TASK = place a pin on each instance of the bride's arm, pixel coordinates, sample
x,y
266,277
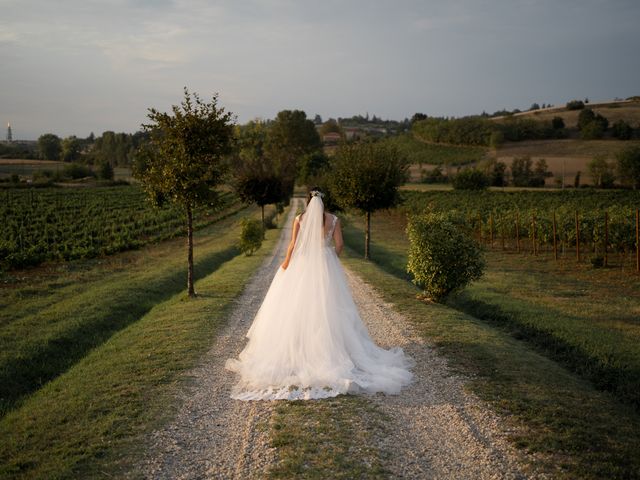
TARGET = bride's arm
x,y
292,243
337,238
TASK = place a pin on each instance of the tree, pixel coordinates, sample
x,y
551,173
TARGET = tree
x,y
521,172
49,146
256,179
71,147
184,160
628,162
317,119
106,171
540,173
290,137
575,105
470,179
601,171
331,126
312,166
534,106
585,117
622,130
417,117
366,177
557,123
495,172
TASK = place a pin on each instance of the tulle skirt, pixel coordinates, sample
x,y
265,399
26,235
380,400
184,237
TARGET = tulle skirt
x,y
308,341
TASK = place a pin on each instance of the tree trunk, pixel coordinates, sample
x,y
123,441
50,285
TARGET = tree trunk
x,y
367,236
191,290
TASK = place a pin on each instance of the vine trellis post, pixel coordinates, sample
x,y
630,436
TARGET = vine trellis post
x,y
577,238
555,241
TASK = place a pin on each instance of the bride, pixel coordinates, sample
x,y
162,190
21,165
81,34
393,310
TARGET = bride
x,y
307,340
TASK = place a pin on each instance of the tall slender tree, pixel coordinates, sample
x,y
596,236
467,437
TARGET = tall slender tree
x,y
185,158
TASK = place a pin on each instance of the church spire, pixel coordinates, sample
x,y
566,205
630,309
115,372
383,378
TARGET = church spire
x,y
9,135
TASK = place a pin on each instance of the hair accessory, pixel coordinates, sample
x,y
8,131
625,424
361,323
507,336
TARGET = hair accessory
x,y
317,193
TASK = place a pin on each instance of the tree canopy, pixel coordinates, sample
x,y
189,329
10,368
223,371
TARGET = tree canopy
x,y
185,158
49,146
366,177
291,136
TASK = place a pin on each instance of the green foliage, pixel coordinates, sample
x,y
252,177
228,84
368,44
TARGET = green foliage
x,y
54,224
71,148
290,137
106,171
622,130
575,105
470,179
495,172
602,172
628,163
366,176
418,152
331,126
442,257
477,208
457,131
256,178
435,176
496,139
77,170
184,159
311,167
49,147
523,175
116,148
557,123
591,125
251,236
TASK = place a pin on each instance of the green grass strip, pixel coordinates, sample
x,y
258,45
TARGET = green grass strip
x,y
578,431
331,438
92,418
57,332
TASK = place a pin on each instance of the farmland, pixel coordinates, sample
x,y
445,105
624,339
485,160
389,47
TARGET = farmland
x,y
65,224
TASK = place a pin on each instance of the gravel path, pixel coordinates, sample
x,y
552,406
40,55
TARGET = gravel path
x,y
436,430
214,436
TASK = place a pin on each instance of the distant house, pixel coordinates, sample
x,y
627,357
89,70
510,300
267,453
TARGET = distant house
x,y
331,138
353,133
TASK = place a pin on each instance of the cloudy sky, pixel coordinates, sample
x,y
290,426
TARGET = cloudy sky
x,y
77,66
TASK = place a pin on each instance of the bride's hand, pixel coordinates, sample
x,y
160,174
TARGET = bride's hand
x,y
284,265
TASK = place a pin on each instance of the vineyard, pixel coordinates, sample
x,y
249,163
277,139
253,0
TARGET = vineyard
x,y
579,223
66,224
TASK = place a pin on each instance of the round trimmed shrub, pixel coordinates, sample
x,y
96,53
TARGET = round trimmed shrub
x,y
251,236
443,258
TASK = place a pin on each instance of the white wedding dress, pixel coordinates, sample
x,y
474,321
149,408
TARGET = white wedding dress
x,y
307,340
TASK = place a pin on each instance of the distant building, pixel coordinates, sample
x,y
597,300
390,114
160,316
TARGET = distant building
x,y
331,138
9,135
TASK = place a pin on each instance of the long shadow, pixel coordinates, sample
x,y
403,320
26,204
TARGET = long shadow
x,y
606,372
385,258
103,310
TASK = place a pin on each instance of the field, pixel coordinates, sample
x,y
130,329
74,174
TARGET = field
x,y
26,168
93,351
625,110
64,224
586,420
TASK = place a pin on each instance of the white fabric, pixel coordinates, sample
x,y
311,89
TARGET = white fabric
x,y
307,340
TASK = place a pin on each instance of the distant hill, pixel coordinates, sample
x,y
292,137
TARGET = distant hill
x,y
628,110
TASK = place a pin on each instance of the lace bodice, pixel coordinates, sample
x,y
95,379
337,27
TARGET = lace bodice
x,y
329,233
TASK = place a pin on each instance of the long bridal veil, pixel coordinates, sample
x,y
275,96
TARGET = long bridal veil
x,y
307,339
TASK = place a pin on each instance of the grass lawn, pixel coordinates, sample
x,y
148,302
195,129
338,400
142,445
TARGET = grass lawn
x,y
91,417
525,363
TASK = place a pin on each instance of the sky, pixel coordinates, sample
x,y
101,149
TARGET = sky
x,y
72,67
